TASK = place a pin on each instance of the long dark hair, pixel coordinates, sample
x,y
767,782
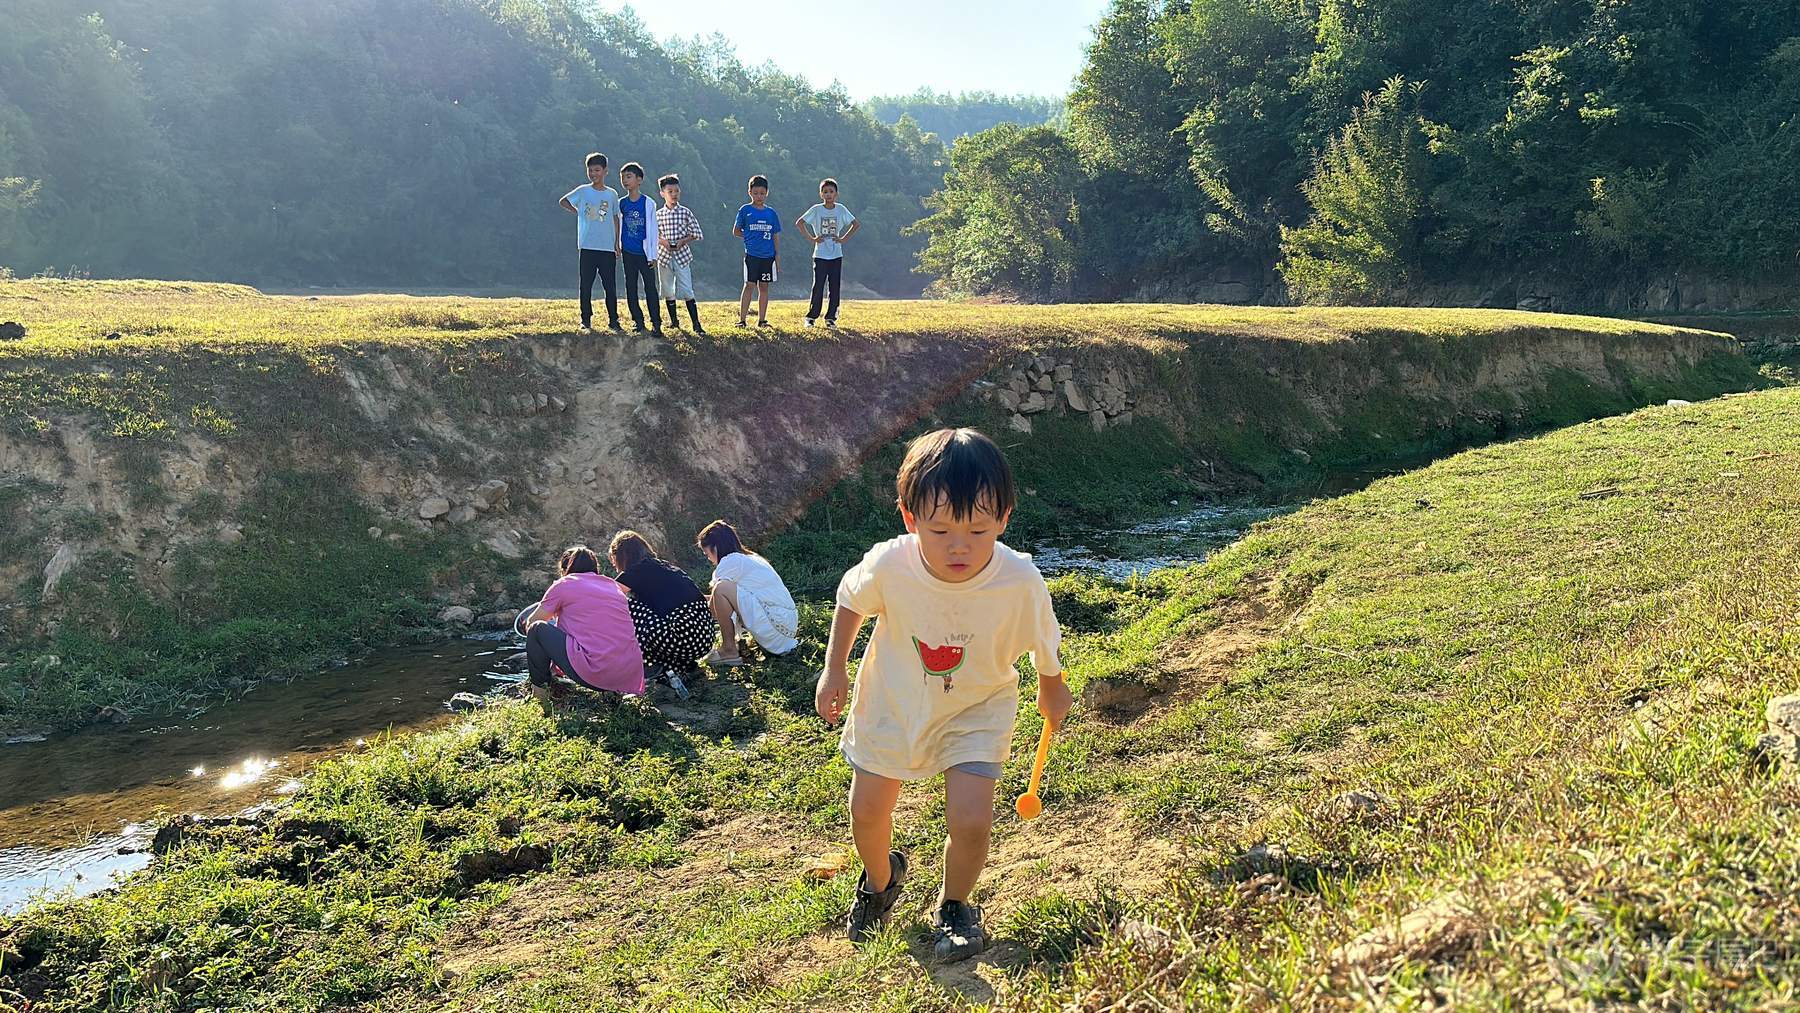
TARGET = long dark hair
x,y
720,537
628,549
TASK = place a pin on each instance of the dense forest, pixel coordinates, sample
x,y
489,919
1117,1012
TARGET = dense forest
x,y
952,115
417,143
1311,150
1381,150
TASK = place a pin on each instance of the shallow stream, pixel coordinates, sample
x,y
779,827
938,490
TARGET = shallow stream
x,y
77,810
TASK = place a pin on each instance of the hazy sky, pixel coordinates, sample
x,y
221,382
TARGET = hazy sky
x,y
882,48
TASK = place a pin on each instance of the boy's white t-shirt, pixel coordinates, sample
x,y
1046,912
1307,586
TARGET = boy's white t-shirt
x,y
937,685
828,224
595,210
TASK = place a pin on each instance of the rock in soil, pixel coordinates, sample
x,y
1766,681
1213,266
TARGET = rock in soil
x,y
457,615
484,866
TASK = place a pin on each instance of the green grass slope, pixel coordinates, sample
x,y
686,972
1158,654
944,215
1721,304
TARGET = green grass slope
x,y
1543,662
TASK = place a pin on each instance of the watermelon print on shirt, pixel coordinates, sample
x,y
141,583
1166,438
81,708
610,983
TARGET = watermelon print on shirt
x,y
941,662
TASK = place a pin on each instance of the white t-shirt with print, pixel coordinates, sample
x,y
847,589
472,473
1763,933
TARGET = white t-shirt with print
x,y
828,224
937,685
595,210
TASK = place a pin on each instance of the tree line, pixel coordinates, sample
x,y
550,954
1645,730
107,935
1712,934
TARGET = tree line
x,y
1365,150
418,143
950,115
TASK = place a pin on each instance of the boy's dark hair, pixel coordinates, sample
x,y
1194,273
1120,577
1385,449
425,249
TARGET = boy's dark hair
x,y
628,549
595,158
756,181
578,559
633,168
721,538
666,180
828,182
960,468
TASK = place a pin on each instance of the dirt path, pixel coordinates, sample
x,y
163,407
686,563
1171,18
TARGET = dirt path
x,y
527,940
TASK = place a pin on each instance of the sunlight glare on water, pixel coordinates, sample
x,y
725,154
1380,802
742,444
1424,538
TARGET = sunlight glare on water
x,y
77,810
248,772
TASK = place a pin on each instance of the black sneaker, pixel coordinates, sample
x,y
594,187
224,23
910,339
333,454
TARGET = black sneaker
x,y
869,911
637,328
699,329
615,328
959,932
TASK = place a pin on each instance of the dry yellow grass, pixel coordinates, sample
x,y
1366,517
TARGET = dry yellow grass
x,y
73,318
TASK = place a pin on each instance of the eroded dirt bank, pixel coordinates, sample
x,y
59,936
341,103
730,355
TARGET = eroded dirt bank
x,y
158,493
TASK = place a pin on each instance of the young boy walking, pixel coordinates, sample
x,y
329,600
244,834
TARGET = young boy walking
x,y
827,225
596,209
760,228
677,230
638,248
954,609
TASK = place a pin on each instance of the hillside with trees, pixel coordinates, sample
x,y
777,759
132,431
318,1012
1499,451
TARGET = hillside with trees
x,y
950,115
402,142
1530,152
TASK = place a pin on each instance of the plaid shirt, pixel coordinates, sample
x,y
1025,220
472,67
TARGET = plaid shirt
x,y
674,224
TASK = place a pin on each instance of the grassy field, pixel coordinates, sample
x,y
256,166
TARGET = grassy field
x,y
75,317
1542,663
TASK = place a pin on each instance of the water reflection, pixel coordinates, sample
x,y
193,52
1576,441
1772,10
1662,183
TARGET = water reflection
x,y
70,804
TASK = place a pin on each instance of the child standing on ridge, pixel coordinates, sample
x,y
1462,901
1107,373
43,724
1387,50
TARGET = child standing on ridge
x,y
637,246
827,225
760,228
596,209
954,609
746,593
677,230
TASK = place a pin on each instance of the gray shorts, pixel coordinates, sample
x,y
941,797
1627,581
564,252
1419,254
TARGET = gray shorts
x,y
980,768
674,281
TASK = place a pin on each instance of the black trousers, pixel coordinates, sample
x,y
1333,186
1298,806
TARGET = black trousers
x,y
637,266
546,645
599,262
826,272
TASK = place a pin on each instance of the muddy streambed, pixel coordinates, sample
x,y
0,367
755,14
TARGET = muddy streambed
x,y
77,811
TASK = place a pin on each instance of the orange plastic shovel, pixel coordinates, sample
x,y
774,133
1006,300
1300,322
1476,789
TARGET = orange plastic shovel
x,y
1029,804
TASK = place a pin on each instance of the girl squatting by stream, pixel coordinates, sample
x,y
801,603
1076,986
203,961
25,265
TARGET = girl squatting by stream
x,y
583,626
